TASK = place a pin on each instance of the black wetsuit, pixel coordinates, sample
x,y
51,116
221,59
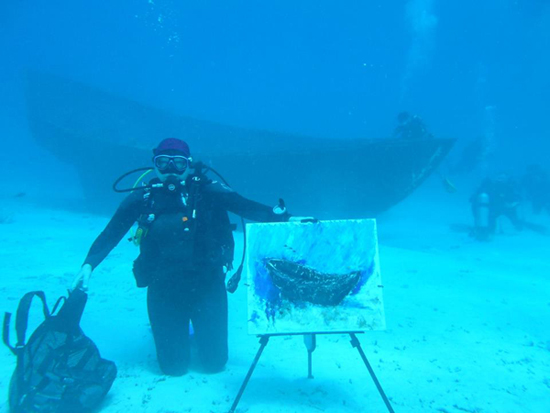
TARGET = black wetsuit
x,y
181,262
503,200
413,128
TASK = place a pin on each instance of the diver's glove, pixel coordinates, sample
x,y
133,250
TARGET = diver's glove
x,y
82,279
303,220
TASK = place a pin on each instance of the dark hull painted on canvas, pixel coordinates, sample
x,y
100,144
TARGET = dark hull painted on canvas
x,y
300,283
104,136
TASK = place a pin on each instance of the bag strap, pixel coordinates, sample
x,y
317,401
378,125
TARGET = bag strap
x,y
22,318
6,332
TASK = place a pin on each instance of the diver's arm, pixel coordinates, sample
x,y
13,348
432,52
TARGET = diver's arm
x,y
127,213
244,207
251,210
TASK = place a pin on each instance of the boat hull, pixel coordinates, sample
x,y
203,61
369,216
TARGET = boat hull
x,y
104,136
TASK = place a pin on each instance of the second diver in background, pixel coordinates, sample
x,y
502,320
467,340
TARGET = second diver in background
x,y
411,127
495,197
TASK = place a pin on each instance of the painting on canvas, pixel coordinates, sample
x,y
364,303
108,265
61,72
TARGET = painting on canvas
x,y
314,277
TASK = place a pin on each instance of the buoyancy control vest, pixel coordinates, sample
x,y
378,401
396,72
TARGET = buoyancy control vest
x,y
181,228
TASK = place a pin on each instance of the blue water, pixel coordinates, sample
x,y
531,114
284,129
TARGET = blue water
x,y
313,68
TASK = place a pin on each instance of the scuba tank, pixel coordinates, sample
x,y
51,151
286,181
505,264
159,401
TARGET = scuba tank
x,y
481,216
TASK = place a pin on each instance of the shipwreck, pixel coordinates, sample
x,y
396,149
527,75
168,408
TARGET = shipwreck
x,y
103,136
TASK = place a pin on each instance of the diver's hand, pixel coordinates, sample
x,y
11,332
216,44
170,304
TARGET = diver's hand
x,y
82,279
303,219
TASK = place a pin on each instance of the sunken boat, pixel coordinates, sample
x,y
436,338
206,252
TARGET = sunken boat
x,y
104,136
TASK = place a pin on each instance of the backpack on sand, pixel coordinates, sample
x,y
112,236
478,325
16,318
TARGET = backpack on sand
x,y
59,369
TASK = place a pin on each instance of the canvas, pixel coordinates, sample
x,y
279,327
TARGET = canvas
x,y
314,277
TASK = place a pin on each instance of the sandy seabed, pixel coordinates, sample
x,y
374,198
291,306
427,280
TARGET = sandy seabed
x,y
468,323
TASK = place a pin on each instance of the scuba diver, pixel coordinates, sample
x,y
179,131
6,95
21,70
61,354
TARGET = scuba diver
x,y
185,239
495,197
411,127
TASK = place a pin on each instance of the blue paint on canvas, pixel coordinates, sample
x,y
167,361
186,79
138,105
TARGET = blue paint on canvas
x,y
314,277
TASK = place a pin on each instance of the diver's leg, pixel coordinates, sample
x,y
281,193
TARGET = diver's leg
x,y
209,316
169,317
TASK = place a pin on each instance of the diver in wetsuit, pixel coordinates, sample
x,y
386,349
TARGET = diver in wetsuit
x,y
411,127
495,197
185,242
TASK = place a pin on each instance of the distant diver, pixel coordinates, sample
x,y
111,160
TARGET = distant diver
x,y
411,127
496,197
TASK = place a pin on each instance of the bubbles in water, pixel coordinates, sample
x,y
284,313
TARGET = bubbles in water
x,y
423,23
161,16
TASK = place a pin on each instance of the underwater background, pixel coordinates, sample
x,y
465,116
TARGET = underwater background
x,y
474,71
468,68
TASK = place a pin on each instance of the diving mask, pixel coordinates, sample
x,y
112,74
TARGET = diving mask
x,y
168,163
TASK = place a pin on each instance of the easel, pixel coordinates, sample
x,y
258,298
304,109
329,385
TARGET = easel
x,y
310,342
